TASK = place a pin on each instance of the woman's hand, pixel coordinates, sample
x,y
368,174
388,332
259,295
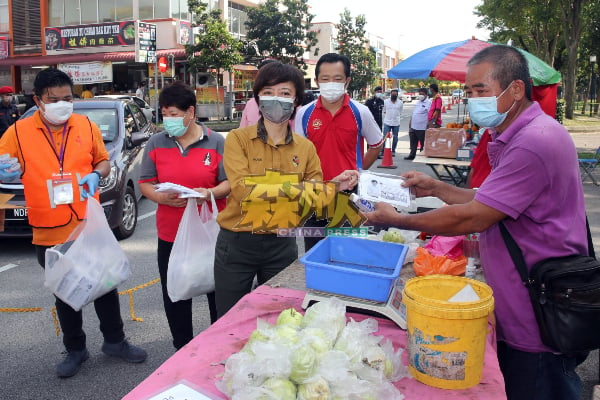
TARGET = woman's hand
x,y
346,180
206,193
171,199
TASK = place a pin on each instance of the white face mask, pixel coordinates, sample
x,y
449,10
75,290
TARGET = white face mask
x,y
421,97
332,91
58,113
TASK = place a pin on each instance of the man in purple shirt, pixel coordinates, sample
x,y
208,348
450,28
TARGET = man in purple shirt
x,y
540,202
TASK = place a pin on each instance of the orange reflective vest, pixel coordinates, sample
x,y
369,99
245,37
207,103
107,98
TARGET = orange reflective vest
x,y
41,161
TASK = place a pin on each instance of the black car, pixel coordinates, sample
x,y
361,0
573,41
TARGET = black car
x,y
125,130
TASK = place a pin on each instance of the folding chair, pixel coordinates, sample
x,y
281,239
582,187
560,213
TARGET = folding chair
x,y
587,167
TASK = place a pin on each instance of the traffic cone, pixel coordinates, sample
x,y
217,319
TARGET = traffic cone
x,y
388,161
443,109
449,106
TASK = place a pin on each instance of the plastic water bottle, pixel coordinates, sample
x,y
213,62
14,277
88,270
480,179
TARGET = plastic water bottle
x,y
362,204
471,268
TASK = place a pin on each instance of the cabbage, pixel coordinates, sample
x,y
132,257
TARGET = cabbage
x,y
304,362
328,315
290,317
286,334
393,236
256,336
315,390
317,338
280,388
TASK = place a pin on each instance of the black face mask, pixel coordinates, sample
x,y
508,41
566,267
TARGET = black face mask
x,y
394,97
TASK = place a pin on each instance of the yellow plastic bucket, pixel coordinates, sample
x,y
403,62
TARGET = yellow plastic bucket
x,y
446,340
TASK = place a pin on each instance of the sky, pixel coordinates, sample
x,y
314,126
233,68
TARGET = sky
x,y
408,25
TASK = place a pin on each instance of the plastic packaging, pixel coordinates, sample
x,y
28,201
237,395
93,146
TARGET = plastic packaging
x,y
362,204
470,269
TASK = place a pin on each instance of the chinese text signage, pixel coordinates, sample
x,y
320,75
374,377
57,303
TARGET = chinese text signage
x,y
145,43
94,35
87,73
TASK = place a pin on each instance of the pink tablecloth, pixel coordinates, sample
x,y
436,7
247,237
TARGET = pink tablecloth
x,y
200,362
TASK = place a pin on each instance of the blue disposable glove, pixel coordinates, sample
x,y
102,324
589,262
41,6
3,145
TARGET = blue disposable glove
x,y
8,176
91,181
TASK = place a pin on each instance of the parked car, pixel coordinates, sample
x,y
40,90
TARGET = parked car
x,y
146,108
458,93
125,130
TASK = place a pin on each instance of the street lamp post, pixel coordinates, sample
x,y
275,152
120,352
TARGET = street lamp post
x,y
592,90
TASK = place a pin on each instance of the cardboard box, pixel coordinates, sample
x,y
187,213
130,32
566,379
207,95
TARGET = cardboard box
x,y
444,142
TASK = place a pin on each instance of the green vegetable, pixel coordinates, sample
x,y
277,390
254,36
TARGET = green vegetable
x,y
315,390
393,236
304,363
281,388
290,317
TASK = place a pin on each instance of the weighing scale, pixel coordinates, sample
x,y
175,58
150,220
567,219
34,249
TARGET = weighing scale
x,y
393,309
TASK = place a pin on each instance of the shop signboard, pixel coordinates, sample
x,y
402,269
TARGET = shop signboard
x,y
89,72
145,42
93,35
185,35
4,52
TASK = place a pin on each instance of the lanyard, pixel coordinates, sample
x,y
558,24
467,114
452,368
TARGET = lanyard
x,y
61,154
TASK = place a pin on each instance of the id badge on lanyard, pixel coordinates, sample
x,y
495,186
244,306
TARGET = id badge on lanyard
x,y
62,188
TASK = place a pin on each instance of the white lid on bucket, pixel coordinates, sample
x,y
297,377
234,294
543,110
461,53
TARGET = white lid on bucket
x,y
464,295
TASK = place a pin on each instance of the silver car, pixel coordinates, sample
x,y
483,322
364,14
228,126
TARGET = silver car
x,y
142,104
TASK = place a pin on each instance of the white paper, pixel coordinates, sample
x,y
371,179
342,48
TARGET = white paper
x,y
184,192
465,294
383,187
180,392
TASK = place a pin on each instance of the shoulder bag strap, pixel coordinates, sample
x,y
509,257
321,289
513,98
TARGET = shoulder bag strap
x,y
517,255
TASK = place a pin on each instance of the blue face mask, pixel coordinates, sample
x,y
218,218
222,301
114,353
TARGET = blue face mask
x,y
484,110
174,126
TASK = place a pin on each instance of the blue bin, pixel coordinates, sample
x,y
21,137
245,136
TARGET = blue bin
x,y
354,267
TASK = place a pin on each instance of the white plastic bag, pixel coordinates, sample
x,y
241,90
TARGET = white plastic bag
x,y
89,264
191,264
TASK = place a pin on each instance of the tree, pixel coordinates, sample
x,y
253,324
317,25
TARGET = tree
x,y
536,28
353,43
281,29
545,24
214,48
574,24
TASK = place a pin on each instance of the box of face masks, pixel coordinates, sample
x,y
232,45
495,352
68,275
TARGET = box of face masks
x,y
444,142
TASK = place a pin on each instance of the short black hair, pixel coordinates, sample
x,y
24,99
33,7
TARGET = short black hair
x,y
423,90
509,64
48,78
377,88
265,62
393,90
332,58
276,72
178,95
434,87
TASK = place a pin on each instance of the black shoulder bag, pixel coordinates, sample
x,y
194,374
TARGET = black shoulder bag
x,y
565,294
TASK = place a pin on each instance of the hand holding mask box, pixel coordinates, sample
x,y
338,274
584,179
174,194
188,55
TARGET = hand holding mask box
x,y
388,188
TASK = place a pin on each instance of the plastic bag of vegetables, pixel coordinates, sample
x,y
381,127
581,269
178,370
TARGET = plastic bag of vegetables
x,y
328,315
